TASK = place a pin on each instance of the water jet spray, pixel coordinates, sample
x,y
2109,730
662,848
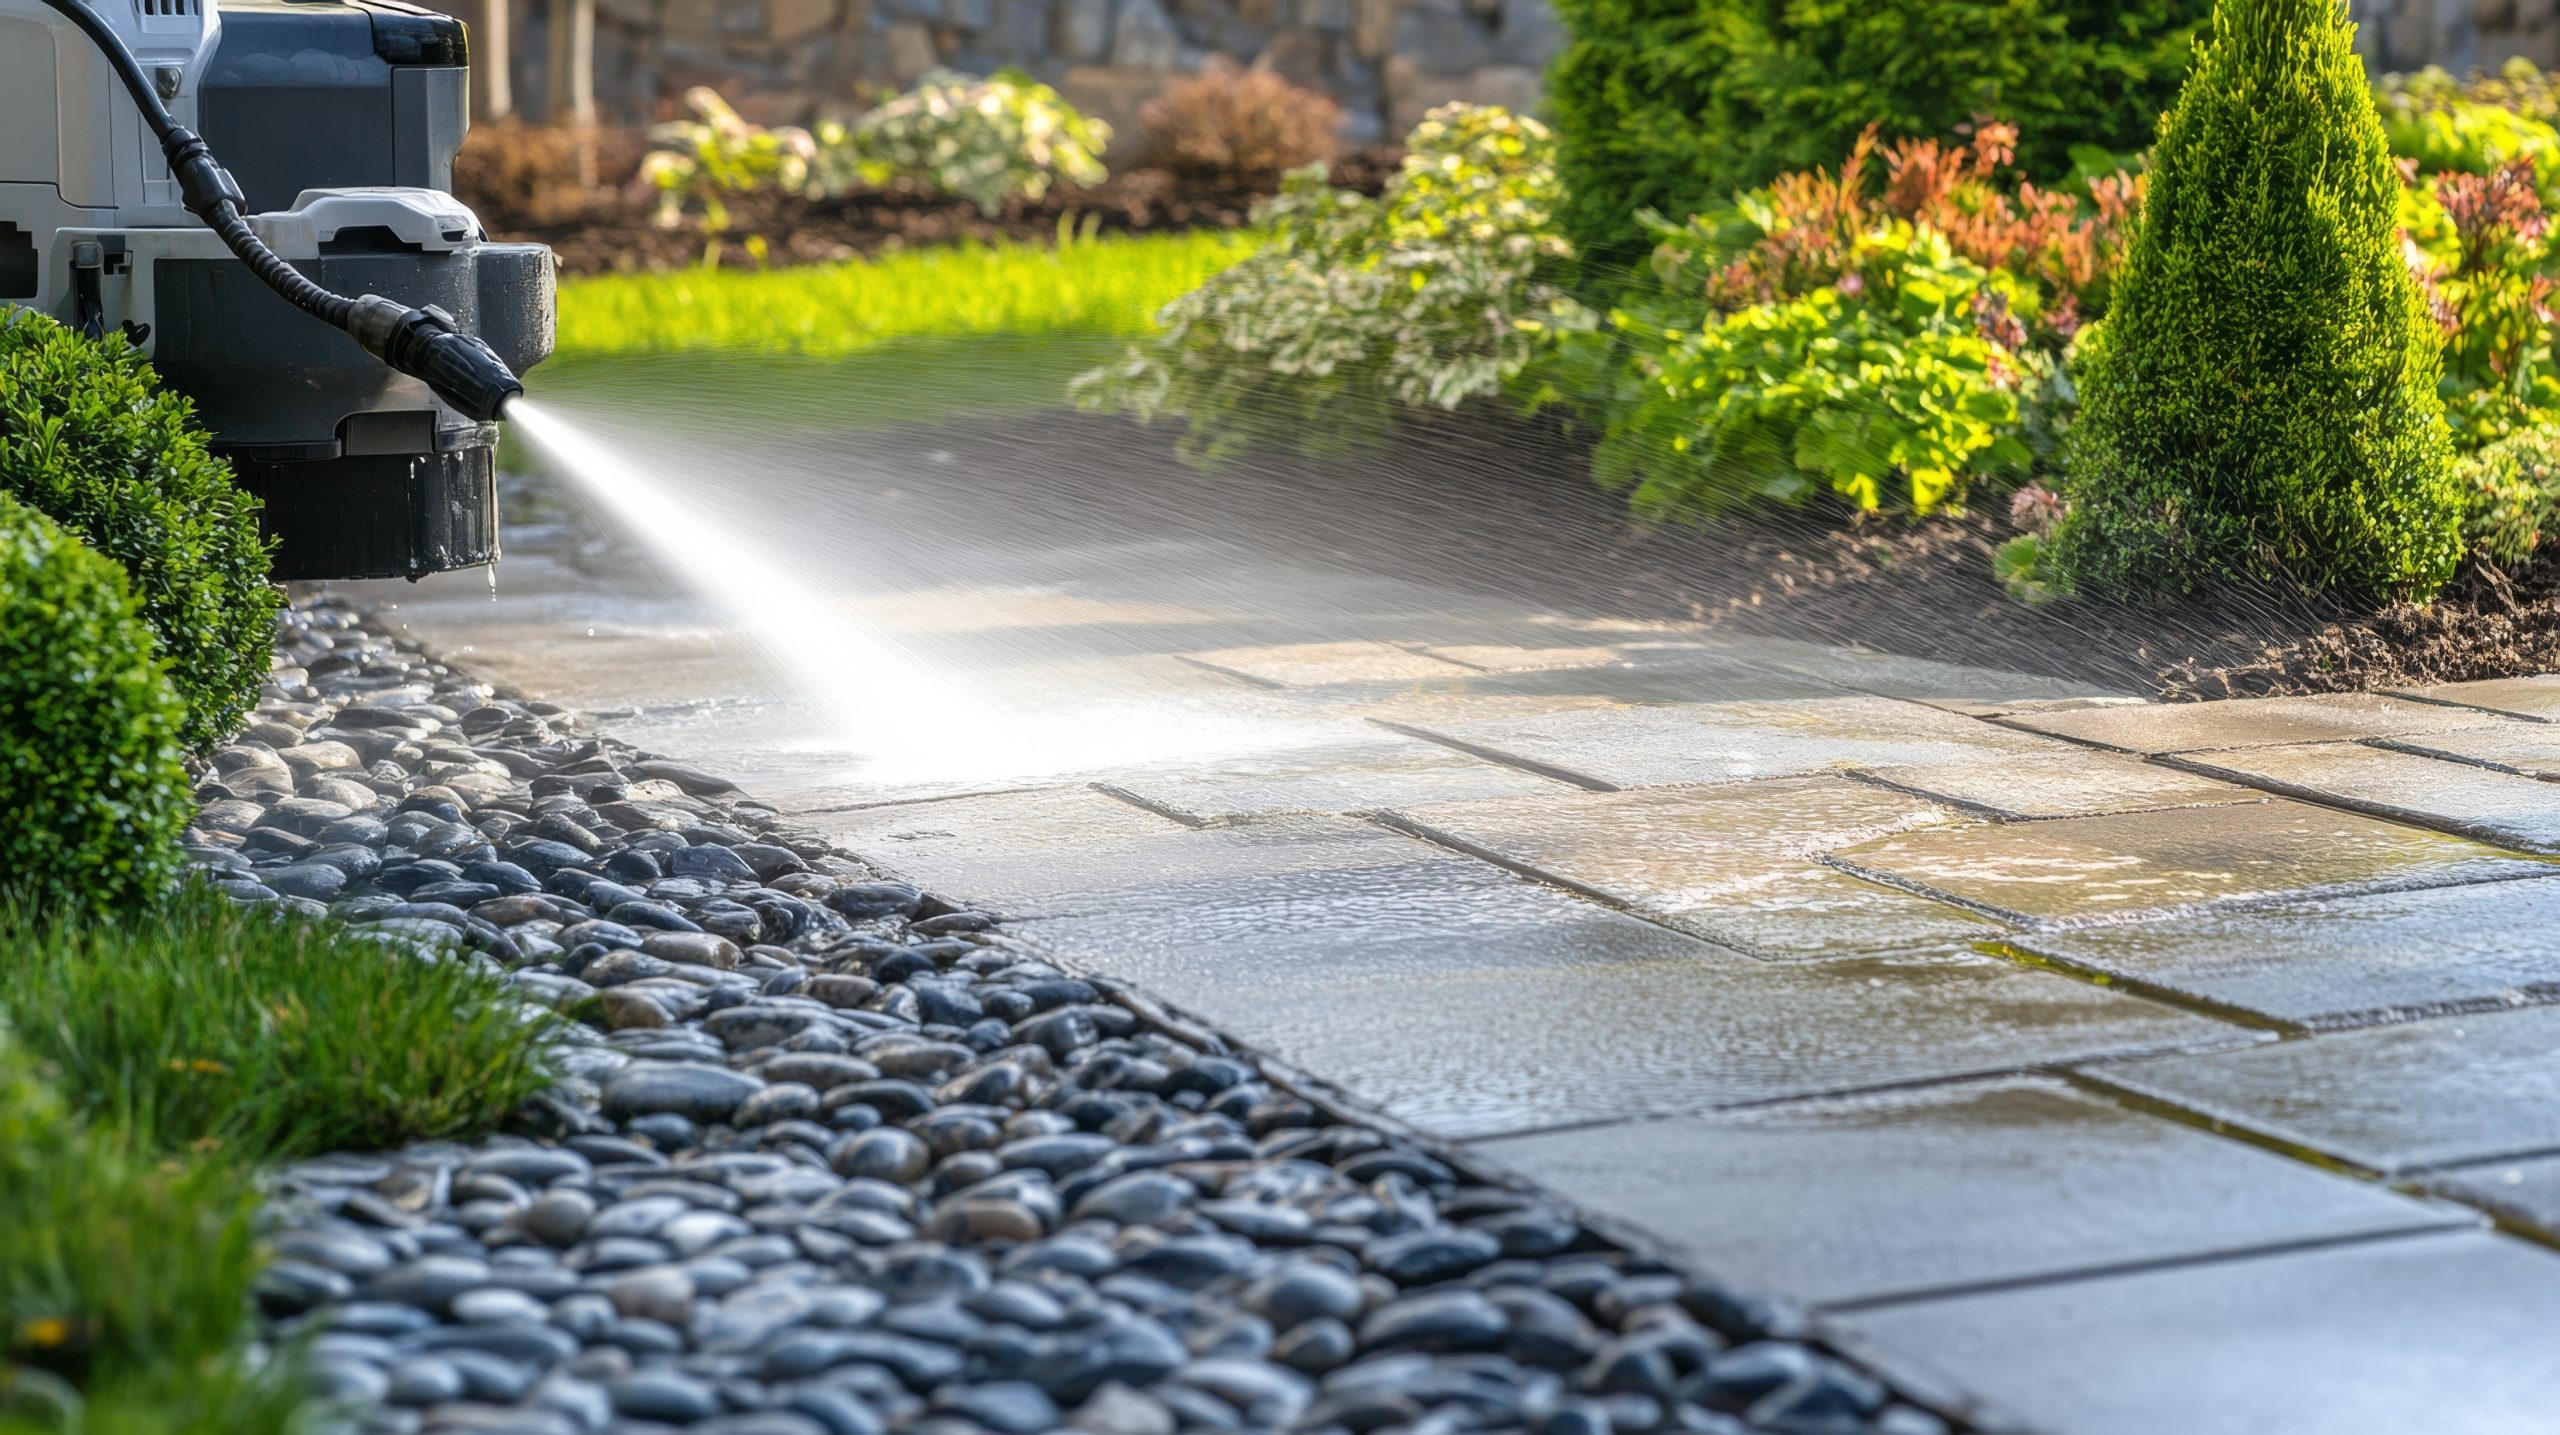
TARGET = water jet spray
x,y
367,424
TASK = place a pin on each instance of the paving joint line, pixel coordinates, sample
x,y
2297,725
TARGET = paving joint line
x,y
2135,986
1248,679
2407,817
2407,696
1170,814
1860,1305
2407,744
1564,775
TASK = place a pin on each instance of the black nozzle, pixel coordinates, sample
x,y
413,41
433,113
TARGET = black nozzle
x,y
428,346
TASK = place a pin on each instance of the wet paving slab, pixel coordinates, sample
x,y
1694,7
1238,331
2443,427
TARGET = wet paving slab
x,y
2195,727
2123,866
1730,741
2498,807
1733,863
1990,1184
2386,1099
1379,770
2068,784
2345,961
2536,697
2523,1193
2433,1333
1309,664
2532,749
1473,1010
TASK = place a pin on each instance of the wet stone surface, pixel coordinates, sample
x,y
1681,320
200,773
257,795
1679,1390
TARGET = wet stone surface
x,y
2389,1099
2344,961
2124,865
2074,784
2403,1334
2499,807
857,1161
2525,1192
2191,727
1310,664
2537,698
1733,863
1723,742
1381,771
1798,1198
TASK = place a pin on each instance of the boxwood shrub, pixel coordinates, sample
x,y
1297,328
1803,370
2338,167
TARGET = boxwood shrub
x,y
92,796
2261,402
87,438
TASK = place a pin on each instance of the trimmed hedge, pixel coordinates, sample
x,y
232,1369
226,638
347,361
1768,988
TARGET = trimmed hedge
x,y
2262,401
1673,105
92,796
88,439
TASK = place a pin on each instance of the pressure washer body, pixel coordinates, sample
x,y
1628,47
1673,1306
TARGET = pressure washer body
x,y
368,425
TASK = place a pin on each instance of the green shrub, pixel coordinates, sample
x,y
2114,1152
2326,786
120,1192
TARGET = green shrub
x,y
204,1022
1435,293
92,796
87,440
986,141
1887,387
2263,399
1670,105
125,1277
2513,489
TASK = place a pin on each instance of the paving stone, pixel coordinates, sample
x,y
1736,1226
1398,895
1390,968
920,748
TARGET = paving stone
x,y
977,857
1926,680
2250,722
2530,748
2389,1337
1476,1010
2124,865
2525,1192
2343,961
2389,1099
1713,742
2068,784
1384,771
2497,807
1730,862
1307,664
1893,1195
1505,658
2536,697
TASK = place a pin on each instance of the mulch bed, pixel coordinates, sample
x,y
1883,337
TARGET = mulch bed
x,y
612,226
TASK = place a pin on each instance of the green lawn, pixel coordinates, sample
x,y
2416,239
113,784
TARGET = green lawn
x,y
1109,286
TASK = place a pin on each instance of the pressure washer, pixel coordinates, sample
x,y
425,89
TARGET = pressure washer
x,y
366,424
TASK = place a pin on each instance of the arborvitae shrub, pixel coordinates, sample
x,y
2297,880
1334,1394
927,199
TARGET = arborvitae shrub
x,y
88,439
1675,104
2262,402
92,797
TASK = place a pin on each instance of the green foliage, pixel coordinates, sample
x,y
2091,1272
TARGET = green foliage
x,y
87,440
92,796
2480,247
1882,386
2263,402
125,1279
1438,292
2513,490
205,1022
1669,105
2021,567
1107,285
985,140
2476,128
701,162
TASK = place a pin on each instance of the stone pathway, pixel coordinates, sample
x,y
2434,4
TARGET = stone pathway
x,y
2098,1066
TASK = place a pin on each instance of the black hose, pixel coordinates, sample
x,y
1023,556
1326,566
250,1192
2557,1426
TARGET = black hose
x,y
208,190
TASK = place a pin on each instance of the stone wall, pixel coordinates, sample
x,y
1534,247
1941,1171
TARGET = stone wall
x,y
2460,35
1386,61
